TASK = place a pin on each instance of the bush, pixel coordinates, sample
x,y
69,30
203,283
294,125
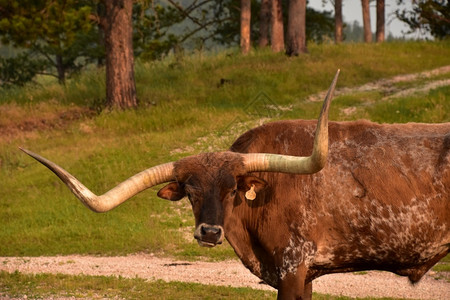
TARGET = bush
x,y
19,70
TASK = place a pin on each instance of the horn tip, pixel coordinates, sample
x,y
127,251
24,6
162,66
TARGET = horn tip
x,y
337,73
24,150
32,154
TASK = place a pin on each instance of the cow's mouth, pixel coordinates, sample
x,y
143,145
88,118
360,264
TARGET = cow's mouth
x,y
208,244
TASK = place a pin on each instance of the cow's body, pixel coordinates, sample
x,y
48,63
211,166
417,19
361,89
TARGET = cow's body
x,y
382,202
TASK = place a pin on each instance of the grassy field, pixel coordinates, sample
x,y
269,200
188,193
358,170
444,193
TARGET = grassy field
x,y
184,110
196,103
100,287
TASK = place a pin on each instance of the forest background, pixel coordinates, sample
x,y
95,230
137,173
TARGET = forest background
x,y
61,38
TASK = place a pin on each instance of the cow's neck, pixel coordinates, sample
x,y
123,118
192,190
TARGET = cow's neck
x,y
248,245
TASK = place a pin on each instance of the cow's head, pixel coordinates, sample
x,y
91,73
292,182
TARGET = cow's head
x,y
211,181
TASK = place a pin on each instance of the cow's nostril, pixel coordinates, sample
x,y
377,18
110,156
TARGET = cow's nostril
x,y
210,230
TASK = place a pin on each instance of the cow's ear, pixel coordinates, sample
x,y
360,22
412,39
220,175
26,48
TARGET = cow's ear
x,y
173,192
251,184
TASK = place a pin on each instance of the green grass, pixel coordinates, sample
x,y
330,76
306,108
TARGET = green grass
x,y
442,267
182,102
101,287
446,259
431,107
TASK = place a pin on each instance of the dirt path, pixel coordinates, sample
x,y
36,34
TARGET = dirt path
x,y
227,273
388,88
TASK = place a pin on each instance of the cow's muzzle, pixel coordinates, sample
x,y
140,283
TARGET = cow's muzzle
x,y
209,235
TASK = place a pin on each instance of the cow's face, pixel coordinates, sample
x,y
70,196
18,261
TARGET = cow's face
x,y
212,182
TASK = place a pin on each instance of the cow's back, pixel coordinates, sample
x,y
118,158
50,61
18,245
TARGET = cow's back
x,y
382,201
409,160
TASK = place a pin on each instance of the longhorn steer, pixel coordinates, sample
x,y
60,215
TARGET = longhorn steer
x,y
382,202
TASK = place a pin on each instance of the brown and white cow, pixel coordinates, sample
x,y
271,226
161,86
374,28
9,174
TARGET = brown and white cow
x,y
381,202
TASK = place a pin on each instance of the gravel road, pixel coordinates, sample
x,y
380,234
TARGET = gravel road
x,y
227,273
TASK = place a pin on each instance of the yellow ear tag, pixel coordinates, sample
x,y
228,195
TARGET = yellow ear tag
x,y
250,194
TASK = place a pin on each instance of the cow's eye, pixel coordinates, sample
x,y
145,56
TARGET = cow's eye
x,y
233,193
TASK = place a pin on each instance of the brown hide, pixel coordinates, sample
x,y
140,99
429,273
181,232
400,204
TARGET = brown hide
x,y
382,201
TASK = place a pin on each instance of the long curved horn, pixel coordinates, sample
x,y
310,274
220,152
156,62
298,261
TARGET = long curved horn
x,y
266,162
116,196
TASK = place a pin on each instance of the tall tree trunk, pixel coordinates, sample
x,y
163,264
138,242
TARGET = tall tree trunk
x,y
245,25
60,69
366,21
380,21
264,22
276,26
296,32
338,21
101,42
117,26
